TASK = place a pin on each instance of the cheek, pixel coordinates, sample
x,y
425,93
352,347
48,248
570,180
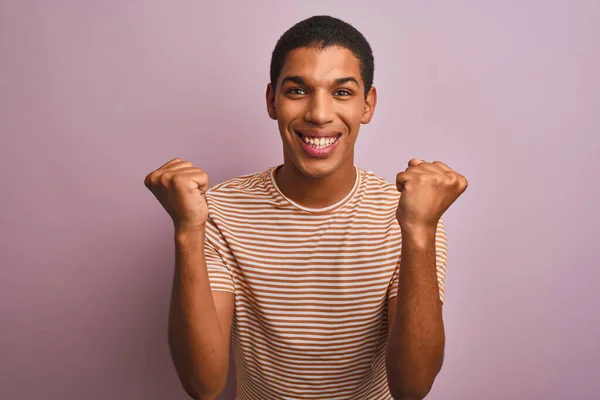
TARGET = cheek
x,y
352,117
289,110
283,117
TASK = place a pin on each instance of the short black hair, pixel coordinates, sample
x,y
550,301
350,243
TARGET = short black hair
x,y
323,31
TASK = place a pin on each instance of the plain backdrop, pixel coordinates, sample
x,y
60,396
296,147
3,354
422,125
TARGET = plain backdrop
x,y
96,94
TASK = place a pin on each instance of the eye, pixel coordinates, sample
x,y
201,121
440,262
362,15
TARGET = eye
x,y
296,91
342,93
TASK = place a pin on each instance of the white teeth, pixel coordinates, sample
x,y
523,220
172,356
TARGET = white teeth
x,y
319,143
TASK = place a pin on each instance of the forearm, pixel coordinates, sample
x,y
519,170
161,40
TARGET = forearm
x,y
416,341
195,339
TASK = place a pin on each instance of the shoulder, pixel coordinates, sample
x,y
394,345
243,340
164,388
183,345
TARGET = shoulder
x,y
244,188
377,188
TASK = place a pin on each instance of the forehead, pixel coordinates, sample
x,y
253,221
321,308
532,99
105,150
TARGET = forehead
x,y
321,65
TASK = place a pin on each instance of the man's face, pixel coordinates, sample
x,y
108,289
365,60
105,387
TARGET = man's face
x,y
319,104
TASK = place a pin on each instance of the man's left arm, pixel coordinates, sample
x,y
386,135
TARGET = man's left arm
x,y
416,340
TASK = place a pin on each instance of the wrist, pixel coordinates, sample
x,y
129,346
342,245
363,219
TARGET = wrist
x,y
186,235
420,235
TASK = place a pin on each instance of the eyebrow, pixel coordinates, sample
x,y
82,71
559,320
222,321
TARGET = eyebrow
x,y
347,79
299,81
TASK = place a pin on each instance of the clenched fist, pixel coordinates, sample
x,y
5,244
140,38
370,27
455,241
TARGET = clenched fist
x,y
180,188
428,190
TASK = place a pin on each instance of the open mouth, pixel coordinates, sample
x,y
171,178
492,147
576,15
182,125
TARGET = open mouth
x,y
319,143
318,146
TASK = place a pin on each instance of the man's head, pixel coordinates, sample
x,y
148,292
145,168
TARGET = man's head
x,y
320,93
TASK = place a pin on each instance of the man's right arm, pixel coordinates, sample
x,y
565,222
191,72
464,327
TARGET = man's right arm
x,y
199,321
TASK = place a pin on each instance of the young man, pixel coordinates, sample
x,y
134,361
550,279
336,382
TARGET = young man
x,y
327,279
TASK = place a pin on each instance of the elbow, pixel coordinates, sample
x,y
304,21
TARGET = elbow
x,y
412,382
205,384
199,391
410,394
416,388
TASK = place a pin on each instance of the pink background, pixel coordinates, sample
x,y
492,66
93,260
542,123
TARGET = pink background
x,y
94,95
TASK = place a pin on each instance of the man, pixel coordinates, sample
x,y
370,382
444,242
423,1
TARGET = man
x,y
327,279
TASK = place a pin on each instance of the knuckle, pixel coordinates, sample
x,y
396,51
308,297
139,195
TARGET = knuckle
x,y
165,179
148,180
152,178
178,179
451,177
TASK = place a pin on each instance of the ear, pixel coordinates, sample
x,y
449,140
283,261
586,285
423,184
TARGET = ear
x,y
370,103
270,97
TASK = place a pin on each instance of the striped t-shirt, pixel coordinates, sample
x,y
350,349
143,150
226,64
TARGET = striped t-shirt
x,y
311,286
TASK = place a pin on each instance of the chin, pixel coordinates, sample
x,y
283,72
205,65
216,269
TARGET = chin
x,y
316,169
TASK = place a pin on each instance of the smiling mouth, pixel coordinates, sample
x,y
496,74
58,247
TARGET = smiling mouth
x,y
319,143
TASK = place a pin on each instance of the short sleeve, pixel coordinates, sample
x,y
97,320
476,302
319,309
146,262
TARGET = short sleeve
x,y
215,252
441,260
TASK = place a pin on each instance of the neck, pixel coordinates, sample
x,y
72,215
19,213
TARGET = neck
x,y
315,192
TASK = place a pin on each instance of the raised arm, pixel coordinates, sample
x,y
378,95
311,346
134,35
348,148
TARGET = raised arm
x,y
199,326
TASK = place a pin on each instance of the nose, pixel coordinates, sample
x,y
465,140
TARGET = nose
x,y
320,108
